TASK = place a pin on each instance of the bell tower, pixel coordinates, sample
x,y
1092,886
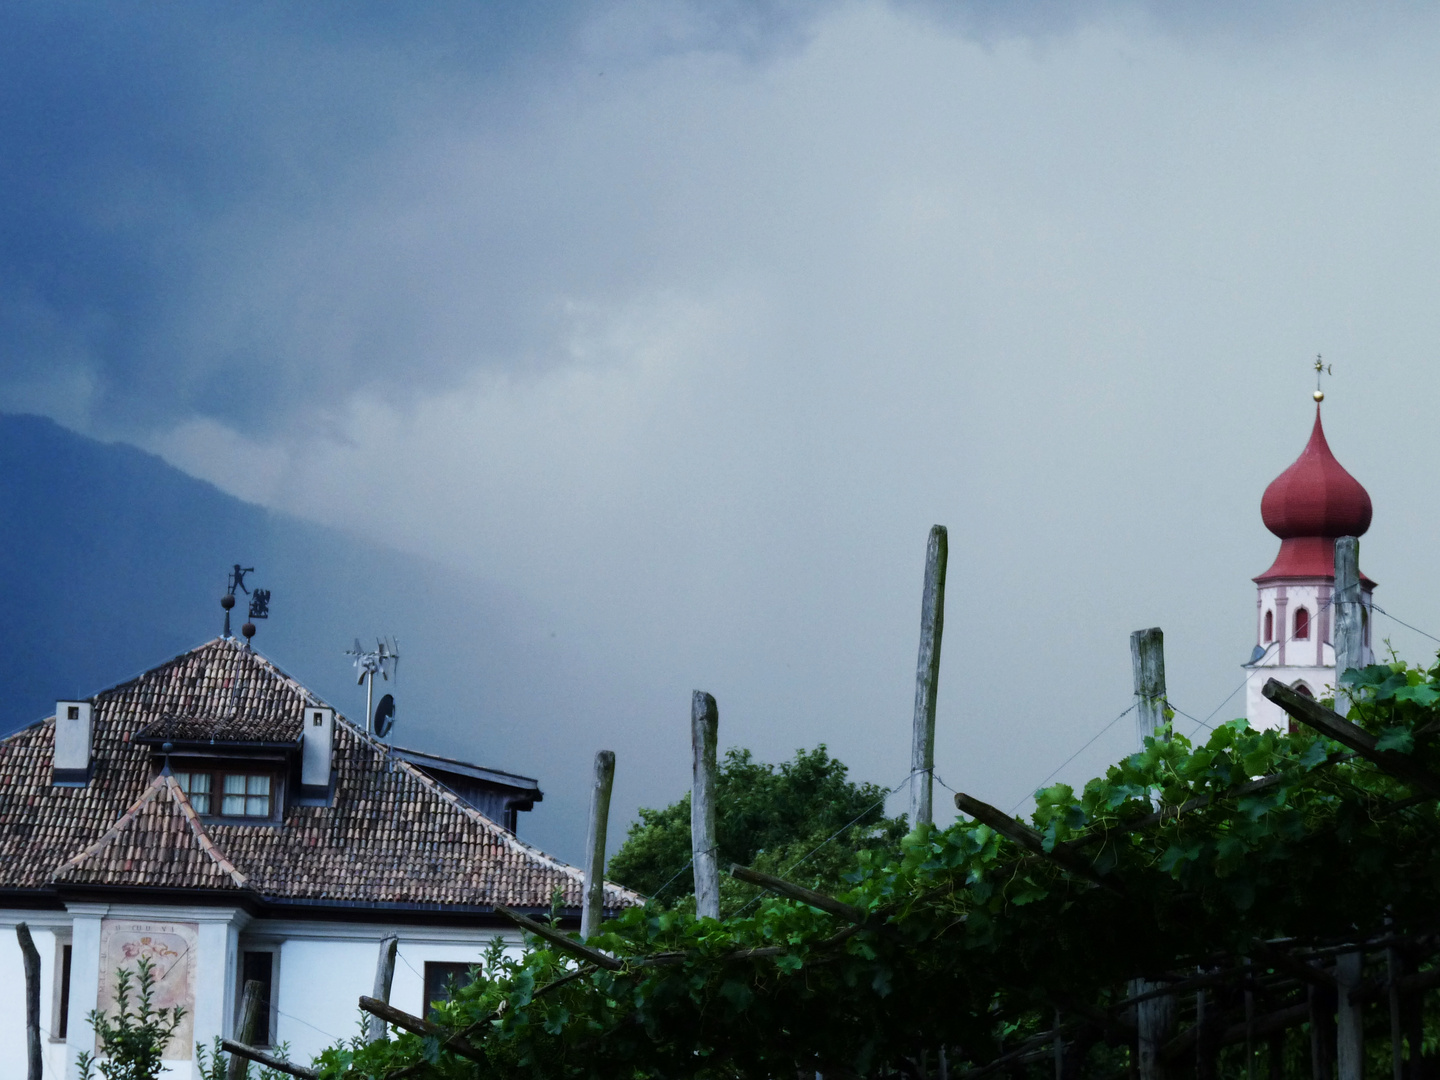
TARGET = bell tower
x,y
1309,506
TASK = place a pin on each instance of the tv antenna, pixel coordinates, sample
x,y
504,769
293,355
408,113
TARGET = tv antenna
x,y
382,661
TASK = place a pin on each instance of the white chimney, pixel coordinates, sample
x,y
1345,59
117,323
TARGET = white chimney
x,y
316,752
72,743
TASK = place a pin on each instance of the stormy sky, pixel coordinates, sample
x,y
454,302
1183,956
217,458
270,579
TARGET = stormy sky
x,y
682,323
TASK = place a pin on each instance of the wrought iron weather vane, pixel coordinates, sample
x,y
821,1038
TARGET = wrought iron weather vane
x,y
259,607
1321,368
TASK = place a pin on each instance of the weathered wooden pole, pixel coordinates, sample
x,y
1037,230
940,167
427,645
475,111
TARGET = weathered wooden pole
x,y
251,1002
384,976
1155,1018
594,898
1206,1045
927,678
32,1001
1147,658
1349,624
1322,1031
1249,1024
1059,1048
1414,1009
1349,653
270,1061
704,732
1349,1027
1394,970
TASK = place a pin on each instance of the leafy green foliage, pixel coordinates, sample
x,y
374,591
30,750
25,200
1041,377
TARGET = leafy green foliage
x,y
132,1041
767,816
214,1063
1175,857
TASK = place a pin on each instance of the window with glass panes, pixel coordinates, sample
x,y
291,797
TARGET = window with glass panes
x,y
228,794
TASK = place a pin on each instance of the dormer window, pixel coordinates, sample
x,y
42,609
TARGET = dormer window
x,y
1302,624
245,796
196,787
229,793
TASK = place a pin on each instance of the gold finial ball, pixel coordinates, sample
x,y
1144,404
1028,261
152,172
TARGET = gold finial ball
x,y
1319,395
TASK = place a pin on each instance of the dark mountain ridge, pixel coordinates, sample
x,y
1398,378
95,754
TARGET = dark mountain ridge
x,y
112,561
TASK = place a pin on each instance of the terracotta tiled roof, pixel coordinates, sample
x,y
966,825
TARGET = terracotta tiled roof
x,y
158,842
391,835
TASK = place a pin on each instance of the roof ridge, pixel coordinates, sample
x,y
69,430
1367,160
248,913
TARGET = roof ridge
x,y
109,835
27,728
506,837
305,692
168,784
202,837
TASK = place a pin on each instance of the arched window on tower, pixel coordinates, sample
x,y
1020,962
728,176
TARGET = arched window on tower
x,y
1269,627
1302,624
1365,625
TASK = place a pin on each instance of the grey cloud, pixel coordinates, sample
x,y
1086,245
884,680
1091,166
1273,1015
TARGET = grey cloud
x,y
747,323
250,213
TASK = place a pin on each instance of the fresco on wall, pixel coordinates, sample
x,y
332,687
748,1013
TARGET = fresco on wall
x,y
170,947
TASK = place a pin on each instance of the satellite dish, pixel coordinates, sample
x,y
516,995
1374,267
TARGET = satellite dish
x,y
384,716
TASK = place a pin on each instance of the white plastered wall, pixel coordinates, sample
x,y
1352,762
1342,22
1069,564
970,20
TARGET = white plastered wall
x,y
43,928
1293,661
325,967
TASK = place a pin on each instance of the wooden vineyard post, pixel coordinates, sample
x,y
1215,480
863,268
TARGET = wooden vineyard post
x,y
1394,969
704,731
1349,625
1059,1048
927,678
1205,1048
35,1063
1349,653
1322,1031
1154,1018
594,898
1412,1021
1349,1029
252,1001
384,977
1147,658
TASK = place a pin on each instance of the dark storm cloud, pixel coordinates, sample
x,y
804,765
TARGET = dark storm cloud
x,y
161,169
686,326
241,212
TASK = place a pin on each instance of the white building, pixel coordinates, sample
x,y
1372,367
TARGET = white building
x,y
217,817
1309,506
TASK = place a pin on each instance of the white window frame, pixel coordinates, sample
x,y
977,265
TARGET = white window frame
x,y
64,939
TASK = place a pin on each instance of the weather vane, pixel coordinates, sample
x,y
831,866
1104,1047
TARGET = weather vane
x,y
259,601
1321,368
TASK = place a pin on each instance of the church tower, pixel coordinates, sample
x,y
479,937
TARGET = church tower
x,y
1308,506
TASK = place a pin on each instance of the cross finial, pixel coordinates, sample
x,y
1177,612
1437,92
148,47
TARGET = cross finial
x,y
1321,368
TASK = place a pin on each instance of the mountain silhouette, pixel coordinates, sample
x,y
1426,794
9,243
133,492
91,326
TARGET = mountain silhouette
x,y
112,561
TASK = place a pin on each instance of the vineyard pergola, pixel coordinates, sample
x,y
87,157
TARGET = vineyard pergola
x,y
1264,901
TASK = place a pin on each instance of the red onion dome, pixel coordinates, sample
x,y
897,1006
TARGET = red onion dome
x,y
1316,496
1310,505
